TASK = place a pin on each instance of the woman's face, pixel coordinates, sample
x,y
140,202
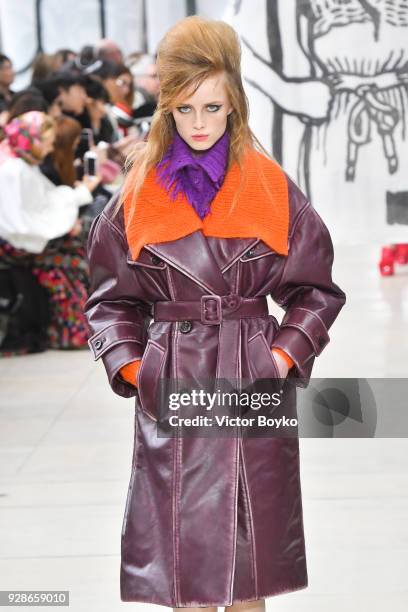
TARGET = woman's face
x,y
6,73
125,85
113,89
201,118
47,143
73,99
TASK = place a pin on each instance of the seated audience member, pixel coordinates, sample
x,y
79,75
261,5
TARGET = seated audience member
x,y
6,79
117,79
122,107
42,226
66,94
47,64
22,102
63,57
50,91
61,167
44,65
79,65
146,84
108,50
26,100
66,90
97,100
107,74
58,166
103,130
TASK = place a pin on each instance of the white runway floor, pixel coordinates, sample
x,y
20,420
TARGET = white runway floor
x,y
65,456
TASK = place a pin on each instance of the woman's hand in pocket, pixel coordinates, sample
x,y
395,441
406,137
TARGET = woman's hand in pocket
x,y
130,371
281,363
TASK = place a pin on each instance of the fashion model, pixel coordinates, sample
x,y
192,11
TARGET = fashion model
x,y
205,227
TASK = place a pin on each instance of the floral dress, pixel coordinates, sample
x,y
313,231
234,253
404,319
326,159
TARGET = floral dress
x,y
62,269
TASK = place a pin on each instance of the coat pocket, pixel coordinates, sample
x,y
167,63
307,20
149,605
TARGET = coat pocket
x,y
257,251
146,261
148,378
262,363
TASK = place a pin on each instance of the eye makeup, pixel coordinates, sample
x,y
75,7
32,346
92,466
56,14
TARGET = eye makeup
x,y
212,108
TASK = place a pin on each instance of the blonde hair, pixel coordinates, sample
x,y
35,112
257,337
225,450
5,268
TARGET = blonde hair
x,y
192,50
48,126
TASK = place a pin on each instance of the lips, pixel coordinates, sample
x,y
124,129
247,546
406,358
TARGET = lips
x,y
200,137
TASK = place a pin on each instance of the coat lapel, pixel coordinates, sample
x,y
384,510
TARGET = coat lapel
x,y
227,250
193,256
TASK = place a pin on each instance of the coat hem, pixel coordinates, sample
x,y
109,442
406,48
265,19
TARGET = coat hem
x,y
197,604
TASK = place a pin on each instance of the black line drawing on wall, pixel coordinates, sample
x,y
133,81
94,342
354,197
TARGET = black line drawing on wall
x,y
341,68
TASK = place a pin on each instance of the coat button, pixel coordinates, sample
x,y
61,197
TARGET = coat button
x,y
98,344
229,301
155,260
249,253
185,327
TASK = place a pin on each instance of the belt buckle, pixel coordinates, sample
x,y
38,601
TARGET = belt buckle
x,y
209,316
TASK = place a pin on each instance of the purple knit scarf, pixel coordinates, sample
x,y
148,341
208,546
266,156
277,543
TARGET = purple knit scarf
x,y
199,178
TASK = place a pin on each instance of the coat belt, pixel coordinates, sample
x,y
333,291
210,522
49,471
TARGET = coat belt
x,y
225,311
211,309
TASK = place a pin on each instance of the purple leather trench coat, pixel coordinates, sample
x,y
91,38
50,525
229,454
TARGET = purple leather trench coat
x,y
210,521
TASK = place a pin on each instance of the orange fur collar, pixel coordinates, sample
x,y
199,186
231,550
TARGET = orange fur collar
x,y
257,213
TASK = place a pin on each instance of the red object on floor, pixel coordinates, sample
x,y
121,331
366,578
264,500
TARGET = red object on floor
x,y
386,263
401,253
390,255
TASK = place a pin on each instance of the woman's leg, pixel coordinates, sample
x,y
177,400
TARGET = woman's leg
x,y
247,606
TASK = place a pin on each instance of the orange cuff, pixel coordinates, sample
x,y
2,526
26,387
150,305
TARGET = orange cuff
x,y
285,356
130,370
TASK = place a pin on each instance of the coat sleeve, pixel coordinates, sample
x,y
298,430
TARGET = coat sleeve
x,y
306,292
116,312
